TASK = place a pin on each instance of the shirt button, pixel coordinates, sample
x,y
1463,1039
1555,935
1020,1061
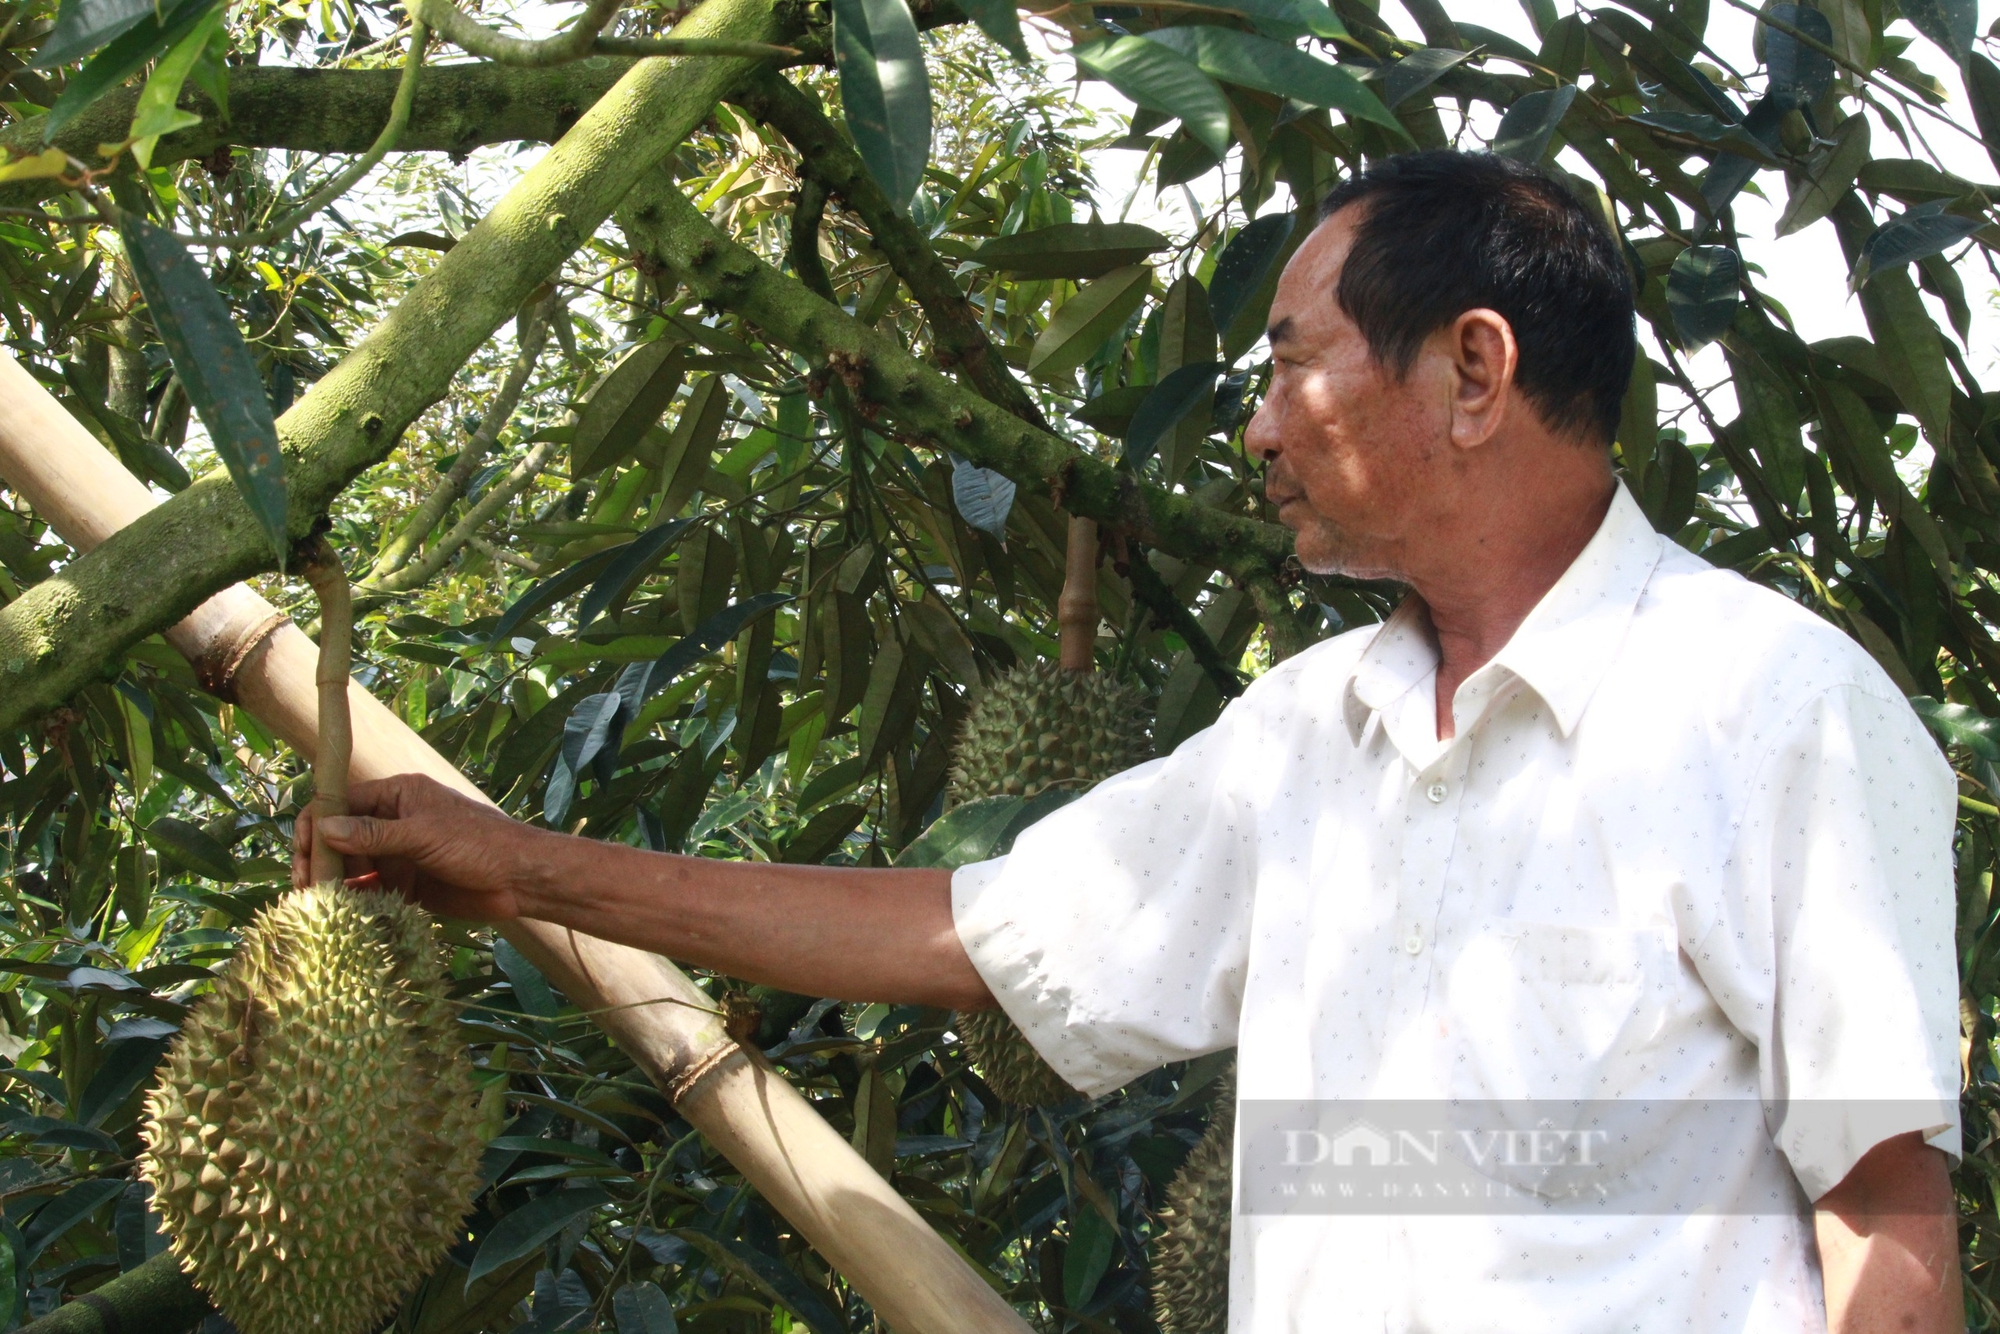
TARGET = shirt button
x,y
1436,792
1414,942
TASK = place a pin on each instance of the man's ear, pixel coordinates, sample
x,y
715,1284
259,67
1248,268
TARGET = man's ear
x,y
1483,355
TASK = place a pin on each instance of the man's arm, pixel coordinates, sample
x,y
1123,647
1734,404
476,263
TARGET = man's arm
x,y
854,933
1888,1244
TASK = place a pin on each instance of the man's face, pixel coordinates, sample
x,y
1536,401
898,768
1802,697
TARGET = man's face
x,y
1359,461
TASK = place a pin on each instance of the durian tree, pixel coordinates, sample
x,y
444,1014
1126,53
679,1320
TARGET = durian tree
x,y
712,404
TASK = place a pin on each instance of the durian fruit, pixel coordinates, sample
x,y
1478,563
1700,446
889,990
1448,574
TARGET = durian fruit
x,y
1039,725
1036,726
1191,1255
315,1141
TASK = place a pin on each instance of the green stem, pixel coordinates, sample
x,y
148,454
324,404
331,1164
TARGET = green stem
x,y
927,406
826,156
74,627
156,1297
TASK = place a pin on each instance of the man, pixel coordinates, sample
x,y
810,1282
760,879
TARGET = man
x,y
1586,819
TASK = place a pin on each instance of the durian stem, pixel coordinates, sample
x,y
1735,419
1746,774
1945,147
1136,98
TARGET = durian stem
x,y
1076,609
156,1297
336,729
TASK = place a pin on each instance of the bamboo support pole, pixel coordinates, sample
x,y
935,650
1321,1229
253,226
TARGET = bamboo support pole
x,y
1076,608
243,649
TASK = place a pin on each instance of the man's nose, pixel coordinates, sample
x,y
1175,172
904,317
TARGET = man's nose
x,y
1260,437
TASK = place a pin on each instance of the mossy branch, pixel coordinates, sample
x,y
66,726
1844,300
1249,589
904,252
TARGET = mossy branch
x,y
825,155
929,408
475,38
426,567
74,627
155,1296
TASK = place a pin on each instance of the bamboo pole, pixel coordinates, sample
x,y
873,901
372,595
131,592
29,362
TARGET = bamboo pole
x,y
1076,608
243,649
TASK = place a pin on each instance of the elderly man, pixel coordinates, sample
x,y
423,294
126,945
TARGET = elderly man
x,y
1587,822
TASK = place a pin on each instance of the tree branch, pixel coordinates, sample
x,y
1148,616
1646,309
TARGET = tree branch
x,y
927,406
1152,592
396,552
154,1296
422,571
826,155
475,38
72,628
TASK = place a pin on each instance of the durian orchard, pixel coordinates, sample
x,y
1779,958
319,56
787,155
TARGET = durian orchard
x,y
755,429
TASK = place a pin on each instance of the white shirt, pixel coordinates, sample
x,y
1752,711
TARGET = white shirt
x,y
1689,843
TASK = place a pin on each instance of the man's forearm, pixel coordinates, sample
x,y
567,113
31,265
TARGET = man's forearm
x,y
857,933
1888,1243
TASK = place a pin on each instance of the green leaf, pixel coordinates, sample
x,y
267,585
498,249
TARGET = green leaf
x,y
1951,24
1162,80
1814,196
1911,348
523,1231
1092,1240
84,25
549,592
641,1308
1982,90
191,848
984,498
1769,424
215,369
1243,266
624,405
1531,122
999,20
966,833
1080,326
1111,411
709,636
157,111
1703,289
66,1211
1170,400
127,1064
1959,725
885,91
124,57
1278,68
1709,130
1923,231
40,166
768,1274
1416,72
632,560
1073,250
1798,74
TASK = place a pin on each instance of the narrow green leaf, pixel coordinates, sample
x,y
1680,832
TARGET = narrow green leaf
x,y
1416,72
1798,74
158,111
66,1210
885,91
1923,231
215,369
1073,250
1162,80
84,25
1709,130
1111,411
1276,67
548,592
1092,1241
191,848
1529,125
711,635
1982,90
966,833
1170,400
641,1308
129,53
633,559
1244,265
1813,196
127,1064
1080,326
1703,289
1961,725
999,20
524,1230
768,1274
623,405
1911,348
1951,24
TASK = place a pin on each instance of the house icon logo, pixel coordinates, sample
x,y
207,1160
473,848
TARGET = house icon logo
x,y
1361,1145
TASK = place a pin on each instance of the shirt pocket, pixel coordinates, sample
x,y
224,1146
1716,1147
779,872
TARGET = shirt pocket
x,y
1546,1010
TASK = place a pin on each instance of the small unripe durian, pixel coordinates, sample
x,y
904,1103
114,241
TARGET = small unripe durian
x,y
344,1139
1191,1249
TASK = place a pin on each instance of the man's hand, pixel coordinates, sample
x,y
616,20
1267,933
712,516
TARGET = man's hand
x,y
1888,1244
456,856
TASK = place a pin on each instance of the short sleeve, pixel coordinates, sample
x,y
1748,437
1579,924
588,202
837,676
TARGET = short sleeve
x,y
1833,948
1114,933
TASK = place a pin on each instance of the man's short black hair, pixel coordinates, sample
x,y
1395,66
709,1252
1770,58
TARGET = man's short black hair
x,y
1442,232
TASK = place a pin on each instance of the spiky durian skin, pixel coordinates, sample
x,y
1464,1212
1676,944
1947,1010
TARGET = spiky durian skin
x,y
1191,1251
1039,725
314,1142
1036,726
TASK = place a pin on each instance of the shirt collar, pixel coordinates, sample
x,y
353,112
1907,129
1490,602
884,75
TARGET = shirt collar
x,y
1561,651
